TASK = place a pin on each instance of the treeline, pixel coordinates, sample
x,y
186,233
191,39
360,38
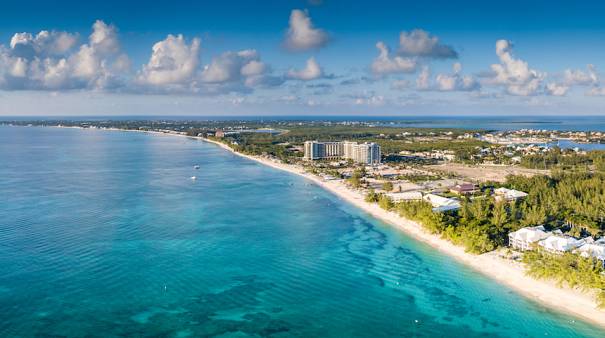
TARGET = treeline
x,y
463,149
343,132
262,144
568,269
574,198
565,159
482,224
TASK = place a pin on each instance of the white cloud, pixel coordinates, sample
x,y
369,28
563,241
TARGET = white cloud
x,y
556,89
104,38
240,68
456,81
44,62
301,34
44,44
311,71
231,66
385,64
515,74
172,62
253,68
420,43
579,77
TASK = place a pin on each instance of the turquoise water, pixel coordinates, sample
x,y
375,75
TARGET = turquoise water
x,y
105,234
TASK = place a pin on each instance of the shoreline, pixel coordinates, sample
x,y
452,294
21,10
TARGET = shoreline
x,y
511,274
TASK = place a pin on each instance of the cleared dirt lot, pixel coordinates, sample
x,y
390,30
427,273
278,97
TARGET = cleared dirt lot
x,y
484,173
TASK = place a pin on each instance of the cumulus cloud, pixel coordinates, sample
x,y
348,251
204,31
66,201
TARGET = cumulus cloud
x,y
104,38
231,66
579,77
515,74
556,89
302,35
311,71
420,43
46,61
242,67
172,62
456,81
589,78
385,64
445,82
43,44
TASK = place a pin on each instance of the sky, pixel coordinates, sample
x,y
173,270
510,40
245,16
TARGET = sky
x,y
304,57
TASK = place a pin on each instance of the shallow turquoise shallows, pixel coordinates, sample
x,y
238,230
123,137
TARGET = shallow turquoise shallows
x,y
105,234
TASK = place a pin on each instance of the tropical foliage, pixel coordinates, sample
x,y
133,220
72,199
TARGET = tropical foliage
x,y
568,270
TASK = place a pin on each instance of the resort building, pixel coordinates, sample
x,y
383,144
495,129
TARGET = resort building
x,y
219,133
525,239
366,153
593,249
558,243
442,204
464,189
405,196
509,194
323,150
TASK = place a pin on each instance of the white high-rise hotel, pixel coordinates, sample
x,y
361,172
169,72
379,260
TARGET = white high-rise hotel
x,y
368,153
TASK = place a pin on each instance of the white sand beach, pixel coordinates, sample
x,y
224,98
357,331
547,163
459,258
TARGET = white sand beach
x,y
512,274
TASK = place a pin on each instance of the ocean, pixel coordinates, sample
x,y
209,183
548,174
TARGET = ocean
x,y
105,234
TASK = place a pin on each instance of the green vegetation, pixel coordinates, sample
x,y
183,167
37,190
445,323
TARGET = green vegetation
x,y
480,226
568,269
575,198
372,196
463,149
483,224
356,178
565,159
387,186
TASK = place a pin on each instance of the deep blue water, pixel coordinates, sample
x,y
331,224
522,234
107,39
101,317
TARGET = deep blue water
x,y
105,234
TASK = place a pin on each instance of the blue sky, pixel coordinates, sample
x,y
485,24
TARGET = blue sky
x,y
302,57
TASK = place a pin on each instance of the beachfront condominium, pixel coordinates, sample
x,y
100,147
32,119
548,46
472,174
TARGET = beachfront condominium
x,y
367,153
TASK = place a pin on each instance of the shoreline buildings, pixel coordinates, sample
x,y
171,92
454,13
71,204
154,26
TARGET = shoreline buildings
x,y
367,153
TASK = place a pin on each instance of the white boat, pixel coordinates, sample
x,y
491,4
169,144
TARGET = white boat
x,y
196,166
193,178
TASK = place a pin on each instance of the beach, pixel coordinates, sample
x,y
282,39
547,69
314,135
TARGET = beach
x,y
512,274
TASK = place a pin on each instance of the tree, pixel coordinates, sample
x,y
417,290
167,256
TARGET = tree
x,y
385,202
372,196
387,186
499,214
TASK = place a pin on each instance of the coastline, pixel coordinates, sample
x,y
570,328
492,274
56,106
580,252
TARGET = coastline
x,y
511,274
564,300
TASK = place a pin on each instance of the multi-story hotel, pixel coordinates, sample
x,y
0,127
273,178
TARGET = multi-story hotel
x,y
368,153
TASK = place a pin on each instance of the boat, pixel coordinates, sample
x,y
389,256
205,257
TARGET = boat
x,y
193,178
196,166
